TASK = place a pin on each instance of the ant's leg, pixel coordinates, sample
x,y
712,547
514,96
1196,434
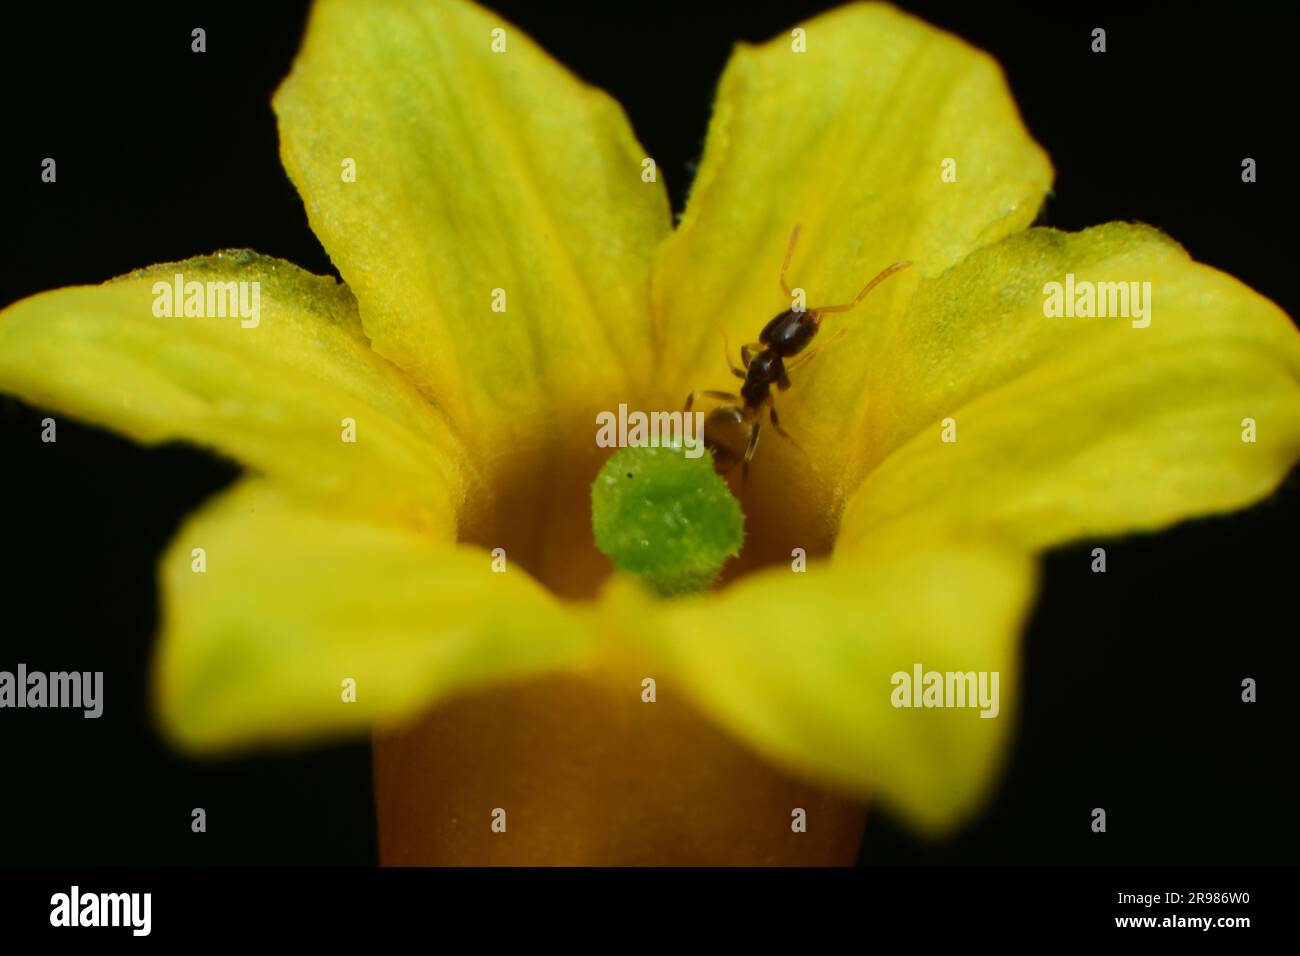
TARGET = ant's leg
x,y
783,382
776,423
710,393
747,352
885,273
789,251
753,446
807,356
726,345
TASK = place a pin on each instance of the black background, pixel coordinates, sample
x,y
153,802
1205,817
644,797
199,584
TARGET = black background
x,y
1132,691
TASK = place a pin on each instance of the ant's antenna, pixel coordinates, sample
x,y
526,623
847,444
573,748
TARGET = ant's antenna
x,y
789,252
884,274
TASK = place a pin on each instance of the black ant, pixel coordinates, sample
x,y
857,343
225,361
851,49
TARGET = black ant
x,y
731,429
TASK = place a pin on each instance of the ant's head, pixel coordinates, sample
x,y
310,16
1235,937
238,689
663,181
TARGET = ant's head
x,y
790,332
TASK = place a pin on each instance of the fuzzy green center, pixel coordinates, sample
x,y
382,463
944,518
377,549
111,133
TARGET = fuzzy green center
x,y
668,519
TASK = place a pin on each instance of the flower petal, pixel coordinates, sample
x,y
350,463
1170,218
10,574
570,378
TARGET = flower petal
x,y
273,395
801,667
478,171
296,599
1075,426
849,139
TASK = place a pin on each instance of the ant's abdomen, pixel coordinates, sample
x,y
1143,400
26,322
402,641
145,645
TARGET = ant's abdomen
x,y
726,436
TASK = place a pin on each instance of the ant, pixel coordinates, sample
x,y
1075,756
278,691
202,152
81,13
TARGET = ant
x,y
731,429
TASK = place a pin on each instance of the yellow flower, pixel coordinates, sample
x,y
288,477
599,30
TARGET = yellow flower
x,y
481,169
